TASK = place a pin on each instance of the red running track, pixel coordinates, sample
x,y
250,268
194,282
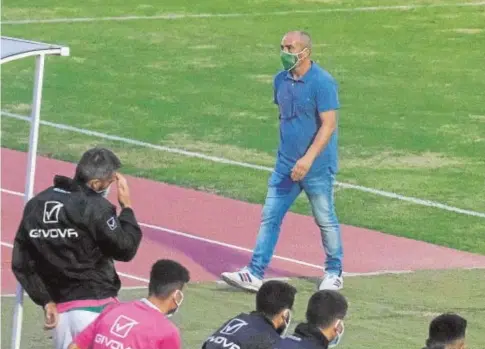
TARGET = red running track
x,y
217,219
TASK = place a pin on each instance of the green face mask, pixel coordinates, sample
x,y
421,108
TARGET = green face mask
x,y
289,60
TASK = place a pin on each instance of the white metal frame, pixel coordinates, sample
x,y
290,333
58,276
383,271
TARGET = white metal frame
x,y
38,50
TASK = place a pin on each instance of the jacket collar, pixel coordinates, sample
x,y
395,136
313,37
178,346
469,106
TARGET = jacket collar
x,y
263,317
71,185
307,331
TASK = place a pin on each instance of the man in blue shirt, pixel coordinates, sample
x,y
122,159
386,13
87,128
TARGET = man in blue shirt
x,y
307,98
324,326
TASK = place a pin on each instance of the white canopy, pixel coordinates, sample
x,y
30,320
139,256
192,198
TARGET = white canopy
x,y
13,49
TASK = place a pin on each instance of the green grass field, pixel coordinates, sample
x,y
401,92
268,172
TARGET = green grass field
x,y
384,311
411,87
412,122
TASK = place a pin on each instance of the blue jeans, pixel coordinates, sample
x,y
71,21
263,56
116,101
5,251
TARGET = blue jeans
x,y
282,192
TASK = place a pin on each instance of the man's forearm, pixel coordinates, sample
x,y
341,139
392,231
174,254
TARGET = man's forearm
x,y
321,139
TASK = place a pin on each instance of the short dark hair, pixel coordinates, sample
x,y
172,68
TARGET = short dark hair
x,y
445,329
274,296
326,306
97,163
167,276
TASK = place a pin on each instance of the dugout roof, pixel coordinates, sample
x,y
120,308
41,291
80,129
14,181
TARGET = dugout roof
x,y
14,49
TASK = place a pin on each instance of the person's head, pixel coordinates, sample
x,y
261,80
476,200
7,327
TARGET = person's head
x,y
326,310
447,331
167,280
296,47
97,169
275,301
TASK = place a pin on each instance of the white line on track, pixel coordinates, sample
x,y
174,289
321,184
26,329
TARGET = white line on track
x,y
128,276
373,191
230,246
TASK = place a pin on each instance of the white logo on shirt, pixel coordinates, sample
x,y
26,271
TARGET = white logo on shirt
x,y
53,233
109,343
233,326
111,223
122,326
51,211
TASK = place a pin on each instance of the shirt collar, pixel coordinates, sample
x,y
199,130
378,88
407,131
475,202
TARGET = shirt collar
x,y
305,77
66,183
305,330
150,304
263,317
72,185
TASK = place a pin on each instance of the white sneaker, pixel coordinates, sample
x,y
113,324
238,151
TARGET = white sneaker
x,y
332,282
242,279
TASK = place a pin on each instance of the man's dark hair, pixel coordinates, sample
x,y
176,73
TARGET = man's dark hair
x,y
167,276
274,296
97,163
324,307
444,330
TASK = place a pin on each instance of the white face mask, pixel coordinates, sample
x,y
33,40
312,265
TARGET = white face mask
x,y
338,338
104,193
179,303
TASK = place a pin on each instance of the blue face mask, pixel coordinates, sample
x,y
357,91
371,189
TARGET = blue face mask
x,y
337,339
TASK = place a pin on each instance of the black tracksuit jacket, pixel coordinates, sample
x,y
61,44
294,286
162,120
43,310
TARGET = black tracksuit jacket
x,y
67,241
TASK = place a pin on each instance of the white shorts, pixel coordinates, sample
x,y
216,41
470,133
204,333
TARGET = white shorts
x,y
70,324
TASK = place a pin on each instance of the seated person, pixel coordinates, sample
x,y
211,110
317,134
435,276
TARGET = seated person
x,y
143,323
261,328
324,326
447,331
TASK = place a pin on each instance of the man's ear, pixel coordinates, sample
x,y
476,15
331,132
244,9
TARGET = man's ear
x,y
307,52
178,295
287,314
92,184
282,316
337,325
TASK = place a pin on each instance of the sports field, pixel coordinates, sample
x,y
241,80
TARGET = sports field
x,y
385,311
412,123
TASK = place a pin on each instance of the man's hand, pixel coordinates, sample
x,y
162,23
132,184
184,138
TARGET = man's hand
x,y
51,316
123,191
302,167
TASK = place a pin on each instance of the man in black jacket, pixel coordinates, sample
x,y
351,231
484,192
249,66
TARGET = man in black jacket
x,y
67,241
259,329
324,328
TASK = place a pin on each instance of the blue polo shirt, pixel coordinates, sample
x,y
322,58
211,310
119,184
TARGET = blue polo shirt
x,y
300,102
